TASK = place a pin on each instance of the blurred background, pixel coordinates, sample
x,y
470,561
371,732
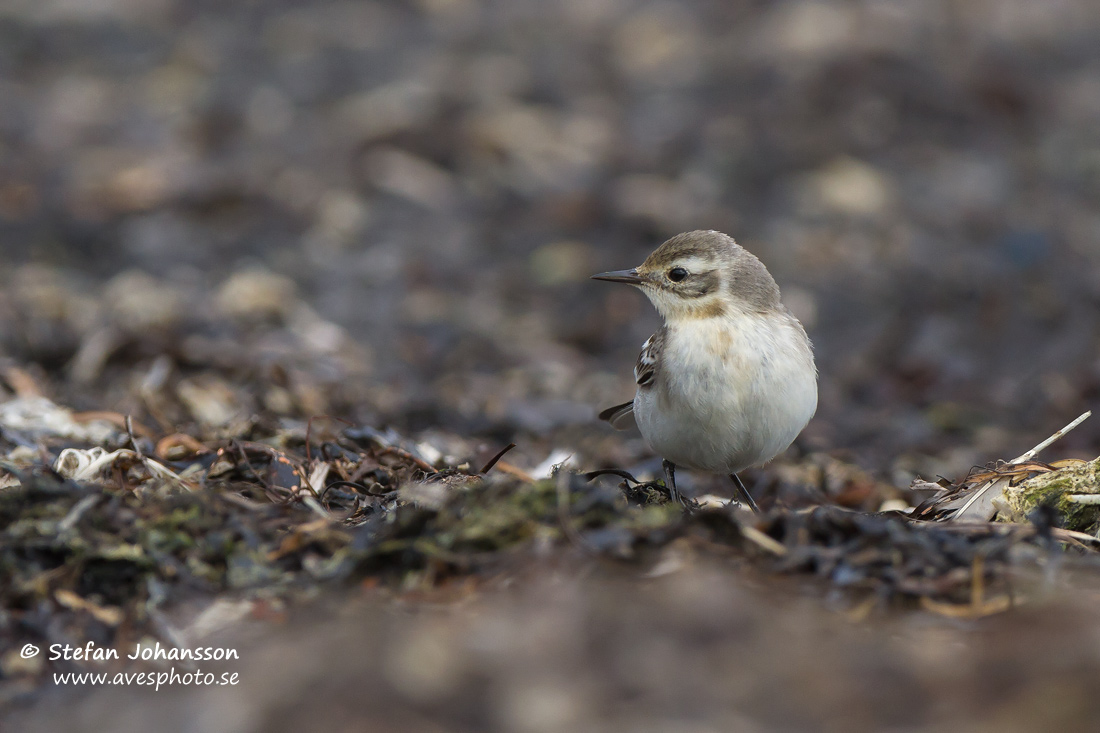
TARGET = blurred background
x,y
388,210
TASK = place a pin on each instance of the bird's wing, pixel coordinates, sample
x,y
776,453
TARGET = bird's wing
x,y
621,416
645,371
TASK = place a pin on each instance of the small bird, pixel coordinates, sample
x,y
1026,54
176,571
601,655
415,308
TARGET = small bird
x,y
729,380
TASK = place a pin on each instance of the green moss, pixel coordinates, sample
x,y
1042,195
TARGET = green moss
x,y
485,517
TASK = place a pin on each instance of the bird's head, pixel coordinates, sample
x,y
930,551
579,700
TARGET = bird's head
x,y
701,274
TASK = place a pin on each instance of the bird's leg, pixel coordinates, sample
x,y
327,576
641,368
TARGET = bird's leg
x,y
745,493
670,480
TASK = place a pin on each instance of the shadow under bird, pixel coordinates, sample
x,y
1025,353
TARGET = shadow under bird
x,y
728,381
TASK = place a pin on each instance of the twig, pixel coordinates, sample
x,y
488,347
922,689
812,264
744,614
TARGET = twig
x,y
1089,499
610,472
763,541
493,461
508,468
1059,533
393,450
1032,453
178,439
1020,459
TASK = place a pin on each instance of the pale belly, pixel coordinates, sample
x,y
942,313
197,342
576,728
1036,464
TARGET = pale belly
x,y
725,414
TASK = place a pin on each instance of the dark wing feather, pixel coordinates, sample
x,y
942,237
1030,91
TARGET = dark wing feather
x,y
645,371
621,416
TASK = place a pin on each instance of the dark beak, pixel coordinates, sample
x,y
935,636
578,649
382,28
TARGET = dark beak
x,y
630,277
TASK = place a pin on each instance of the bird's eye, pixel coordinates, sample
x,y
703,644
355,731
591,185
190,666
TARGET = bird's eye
x,y
676,274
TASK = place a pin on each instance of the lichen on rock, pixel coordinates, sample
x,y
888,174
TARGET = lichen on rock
x,y
1072,491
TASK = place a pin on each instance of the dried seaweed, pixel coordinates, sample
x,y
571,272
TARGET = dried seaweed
x,y
100,544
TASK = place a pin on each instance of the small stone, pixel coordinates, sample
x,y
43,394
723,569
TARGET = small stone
x,y
257,293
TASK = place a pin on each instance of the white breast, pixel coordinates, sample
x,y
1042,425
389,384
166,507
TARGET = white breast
x,y
730,392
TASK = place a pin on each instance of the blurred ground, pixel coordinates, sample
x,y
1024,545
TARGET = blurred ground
x,y
692,651
387,211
